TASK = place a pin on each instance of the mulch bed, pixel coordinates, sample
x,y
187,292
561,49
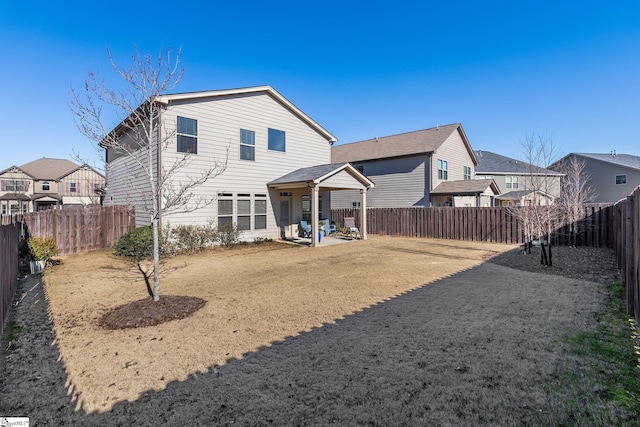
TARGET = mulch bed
x,y
147,312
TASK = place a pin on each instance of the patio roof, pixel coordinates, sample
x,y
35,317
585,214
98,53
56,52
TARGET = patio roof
x,y
329,177
40,197
466,187
332,176
14,197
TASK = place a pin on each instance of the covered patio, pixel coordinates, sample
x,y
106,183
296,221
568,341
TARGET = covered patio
x,y
325,179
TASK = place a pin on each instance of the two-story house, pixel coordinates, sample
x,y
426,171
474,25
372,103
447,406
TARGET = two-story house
x,y
430,167
519,183
48,183
612,176
277,173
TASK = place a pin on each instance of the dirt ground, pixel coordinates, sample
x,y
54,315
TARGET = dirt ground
x,y
345,334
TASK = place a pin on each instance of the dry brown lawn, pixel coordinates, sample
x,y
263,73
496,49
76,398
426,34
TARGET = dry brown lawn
x,y
256,295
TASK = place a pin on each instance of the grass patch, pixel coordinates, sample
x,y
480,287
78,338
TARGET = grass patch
x,y
10,334
601,385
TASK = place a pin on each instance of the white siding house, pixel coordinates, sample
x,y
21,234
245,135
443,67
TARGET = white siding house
x,y
519,183
258,133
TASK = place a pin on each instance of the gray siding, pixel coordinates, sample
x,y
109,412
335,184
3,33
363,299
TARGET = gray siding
x,y
603,180
399,182
455,152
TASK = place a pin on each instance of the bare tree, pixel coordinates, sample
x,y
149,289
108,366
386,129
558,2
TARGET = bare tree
x,y
575,192
538,211
141,138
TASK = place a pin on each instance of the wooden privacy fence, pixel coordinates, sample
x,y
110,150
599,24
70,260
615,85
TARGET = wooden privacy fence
x,y
80,229
9,264
484,224
626,231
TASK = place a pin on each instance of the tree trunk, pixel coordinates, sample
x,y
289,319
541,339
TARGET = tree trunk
x,y
156,261
146,279
543,255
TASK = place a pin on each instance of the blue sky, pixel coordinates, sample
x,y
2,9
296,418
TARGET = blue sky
x,y
503,69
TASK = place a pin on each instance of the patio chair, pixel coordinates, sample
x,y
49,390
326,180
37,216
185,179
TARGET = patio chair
x,y
304,230
332,228
350,225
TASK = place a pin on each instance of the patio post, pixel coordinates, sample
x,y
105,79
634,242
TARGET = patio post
x,y
314,215
363,213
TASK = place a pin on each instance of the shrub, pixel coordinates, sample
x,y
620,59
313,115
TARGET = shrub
x,y
43,248
193,238
228,234
137,243
260,240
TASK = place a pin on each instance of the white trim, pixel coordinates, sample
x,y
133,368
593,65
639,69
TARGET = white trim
x,y
357,174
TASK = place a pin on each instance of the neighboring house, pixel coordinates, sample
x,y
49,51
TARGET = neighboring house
x,y
525,198
519,183
48,183
278,162
422,168
612,176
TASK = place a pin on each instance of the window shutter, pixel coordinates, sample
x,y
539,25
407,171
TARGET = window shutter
x,y
2,185
68,187
26,186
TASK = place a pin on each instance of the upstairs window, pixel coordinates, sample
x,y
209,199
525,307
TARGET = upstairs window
x,y
467,172
187,135
14,185
277,140
511,182
443,170
247,144
621,179
73,187
46,186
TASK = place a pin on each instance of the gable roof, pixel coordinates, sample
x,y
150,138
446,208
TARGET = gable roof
x,y
13,169
319,173
404,144
492,163
167,99
625,160
467,186
46,168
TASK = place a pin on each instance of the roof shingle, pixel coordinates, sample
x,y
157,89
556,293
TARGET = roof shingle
x,y
489,163
46,168
404,144
467,186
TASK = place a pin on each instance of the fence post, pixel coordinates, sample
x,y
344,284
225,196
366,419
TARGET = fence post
x,y
628,254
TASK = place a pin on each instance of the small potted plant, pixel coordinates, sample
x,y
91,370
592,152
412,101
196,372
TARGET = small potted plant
x,y
42,249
